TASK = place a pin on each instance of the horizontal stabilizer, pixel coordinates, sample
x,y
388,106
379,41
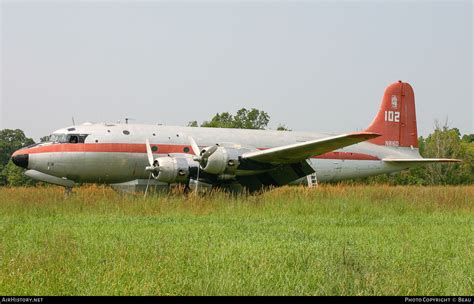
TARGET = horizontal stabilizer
x,y
420,160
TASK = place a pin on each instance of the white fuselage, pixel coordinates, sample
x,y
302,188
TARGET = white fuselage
x,y
114,153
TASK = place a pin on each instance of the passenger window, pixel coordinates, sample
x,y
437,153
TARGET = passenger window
x,y
126,132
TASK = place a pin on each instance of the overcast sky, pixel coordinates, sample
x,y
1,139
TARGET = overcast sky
x,y
313,66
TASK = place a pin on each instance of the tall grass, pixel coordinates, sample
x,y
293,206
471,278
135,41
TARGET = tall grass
x,y
330,240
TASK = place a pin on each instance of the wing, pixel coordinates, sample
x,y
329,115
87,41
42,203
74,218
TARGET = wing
x,y
296,153
282,165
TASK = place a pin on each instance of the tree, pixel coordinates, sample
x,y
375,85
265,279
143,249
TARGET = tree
x,y
469,159
253,119
44,138
10,141
243,119
446,142
223,120
192,123
14,175
469,138
282,127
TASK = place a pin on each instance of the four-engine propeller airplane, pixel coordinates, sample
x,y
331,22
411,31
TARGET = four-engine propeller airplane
x,y
114,153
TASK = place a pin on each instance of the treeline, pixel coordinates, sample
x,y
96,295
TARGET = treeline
x,y
444,142
243,119
10,141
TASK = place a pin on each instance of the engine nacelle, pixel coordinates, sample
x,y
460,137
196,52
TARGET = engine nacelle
x,y
224,160
217,162
173,169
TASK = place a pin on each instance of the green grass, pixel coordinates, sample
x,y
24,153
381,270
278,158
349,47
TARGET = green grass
x,y
333,240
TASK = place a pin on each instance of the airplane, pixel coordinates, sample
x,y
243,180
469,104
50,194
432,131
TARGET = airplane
x,y
251,159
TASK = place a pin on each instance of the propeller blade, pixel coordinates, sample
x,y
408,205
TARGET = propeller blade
x,y
149,152
209,152
147,185
194,146
197,181
152,169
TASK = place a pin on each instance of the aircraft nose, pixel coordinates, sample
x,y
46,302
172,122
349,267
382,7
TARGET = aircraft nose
x,y
21,160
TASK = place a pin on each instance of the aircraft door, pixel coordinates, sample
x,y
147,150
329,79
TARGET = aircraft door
x,y
337,168
324,168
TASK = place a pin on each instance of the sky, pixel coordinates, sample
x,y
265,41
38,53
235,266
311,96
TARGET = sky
x,y
311,65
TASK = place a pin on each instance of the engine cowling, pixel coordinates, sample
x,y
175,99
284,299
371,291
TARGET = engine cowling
x,y
224,160
217,162
173,169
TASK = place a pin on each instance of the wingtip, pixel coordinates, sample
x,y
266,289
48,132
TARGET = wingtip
x,y
423,160
446,160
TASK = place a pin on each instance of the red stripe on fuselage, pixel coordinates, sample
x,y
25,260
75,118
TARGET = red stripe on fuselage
x,y
106,147
162,149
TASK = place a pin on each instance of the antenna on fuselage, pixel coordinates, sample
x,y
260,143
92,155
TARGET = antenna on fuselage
x,y
73,123
127,119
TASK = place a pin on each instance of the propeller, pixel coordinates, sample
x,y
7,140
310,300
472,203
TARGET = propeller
x,y
205,156
201,156
196,157
151,160
194,146
147,185
152,164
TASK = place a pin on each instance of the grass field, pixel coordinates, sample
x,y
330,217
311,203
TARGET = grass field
x,y
330,240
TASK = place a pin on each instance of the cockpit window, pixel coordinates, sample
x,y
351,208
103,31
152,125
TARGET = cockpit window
x,y
76,138
67,138
73,139
57,138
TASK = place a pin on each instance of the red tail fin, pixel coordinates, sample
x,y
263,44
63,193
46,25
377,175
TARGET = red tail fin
x,y
396,119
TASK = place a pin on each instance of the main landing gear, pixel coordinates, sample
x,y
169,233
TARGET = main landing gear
x,y
67,191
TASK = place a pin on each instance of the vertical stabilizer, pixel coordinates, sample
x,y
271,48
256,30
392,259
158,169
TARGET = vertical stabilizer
x,y
396,119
